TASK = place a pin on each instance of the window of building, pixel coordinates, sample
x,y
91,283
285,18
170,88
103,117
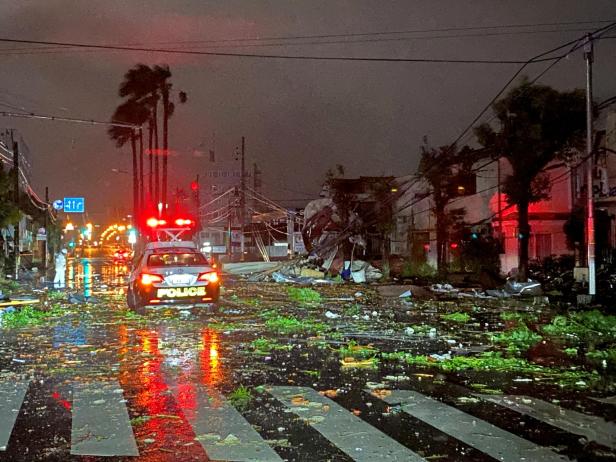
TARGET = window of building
x,y
541,244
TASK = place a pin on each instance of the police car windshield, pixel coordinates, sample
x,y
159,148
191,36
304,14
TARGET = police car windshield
x,y
177,259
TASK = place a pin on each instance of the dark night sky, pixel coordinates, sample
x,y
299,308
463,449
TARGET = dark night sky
x,y
299,118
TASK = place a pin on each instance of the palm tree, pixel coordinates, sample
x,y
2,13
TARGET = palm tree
x,y
162,76
140,85
536,125
131,113
146,86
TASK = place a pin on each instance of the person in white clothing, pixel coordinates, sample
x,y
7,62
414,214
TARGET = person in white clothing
x,y
58,280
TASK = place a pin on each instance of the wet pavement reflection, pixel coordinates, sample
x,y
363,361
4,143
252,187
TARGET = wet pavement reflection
x,y
95,275
194,379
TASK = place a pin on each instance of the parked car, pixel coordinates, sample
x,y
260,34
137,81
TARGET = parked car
x,y
122,256
172,273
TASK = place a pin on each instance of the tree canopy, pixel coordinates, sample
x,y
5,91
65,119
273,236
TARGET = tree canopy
x,y
536,125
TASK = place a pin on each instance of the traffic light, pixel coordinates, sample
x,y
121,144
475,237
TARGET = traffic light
x,y
194,187
132,236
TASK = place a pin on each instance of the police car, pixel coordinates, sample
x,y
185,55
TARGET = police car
x,y
172,272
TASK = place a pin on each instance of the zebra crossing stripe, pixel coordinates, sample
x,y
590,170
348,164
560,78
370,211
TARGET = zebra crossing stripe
x,y
101,426
609,400
222,431
12,396
593,428
359,440
484,436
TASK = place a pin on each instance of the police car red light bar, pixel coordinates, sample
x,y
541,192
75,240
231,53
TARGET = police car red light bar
x,y
154,222
183,222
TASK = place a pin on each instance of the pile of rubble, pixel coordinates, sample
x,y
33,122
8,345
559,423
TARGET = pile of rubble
x,y
305,271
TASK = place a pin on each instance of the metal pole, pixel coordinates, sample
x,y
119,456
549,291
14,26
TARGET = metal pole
x,y
198,204
137,219
291,232
45,223
229,223
500,207
16,236
242,203
133,143
590,219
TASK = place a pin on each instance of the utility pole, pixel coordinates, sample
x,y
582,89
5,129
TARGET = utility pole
x,y
16,236
44,256
197,196
291,232
500,206
232,211
590,218
141,178
256,184
133,142
242,202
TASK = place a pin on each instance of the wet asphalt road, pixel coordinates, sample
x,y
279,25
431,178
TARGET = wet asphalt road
x,y
102,383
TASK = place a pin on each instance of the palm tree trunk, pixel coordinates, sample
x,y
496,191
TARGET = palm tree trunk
x,y
133,146
141,175
523,238
156,156
165,140
151,173
441,241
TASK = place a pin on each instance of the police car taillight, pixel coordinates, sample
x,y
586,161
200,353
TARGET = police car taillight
x,y
210,276
149,279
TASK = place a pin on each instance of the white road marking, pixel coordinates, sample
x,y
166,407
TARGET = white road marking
x,y
12,396
359,440
482,435
593,428
222,431
101,426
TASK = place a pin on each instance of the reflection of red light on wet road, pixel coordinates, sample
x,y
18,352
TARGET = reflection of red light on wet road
x,y
67,405
141,376
210,358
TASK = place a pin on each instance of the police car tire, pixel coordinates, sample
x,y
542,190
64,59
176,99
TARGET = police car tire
x,y
130,298
139,306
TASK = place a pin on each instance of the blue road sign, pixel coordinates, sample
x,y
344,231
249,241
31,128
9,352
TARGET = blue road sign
x,y
58,204
74,204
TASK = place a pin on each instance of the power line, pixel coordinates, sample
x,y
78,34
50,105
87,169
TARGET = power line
x,y
32,115
575,44
55,49
377,33
268,56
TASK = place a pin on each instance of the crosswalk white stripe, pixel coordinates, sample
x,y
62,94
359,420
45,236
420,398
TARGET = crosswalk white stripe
x,y
12,396
223,432
482,435
101,426
608,400
359,440
593,428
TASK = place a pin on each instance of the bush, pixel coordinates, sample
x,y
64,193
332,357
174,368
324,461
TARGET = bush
x,y
418,270
304,295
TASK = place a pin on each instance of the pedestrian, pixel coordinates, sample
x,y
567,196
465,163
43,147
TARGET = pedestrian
x,y
58,280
